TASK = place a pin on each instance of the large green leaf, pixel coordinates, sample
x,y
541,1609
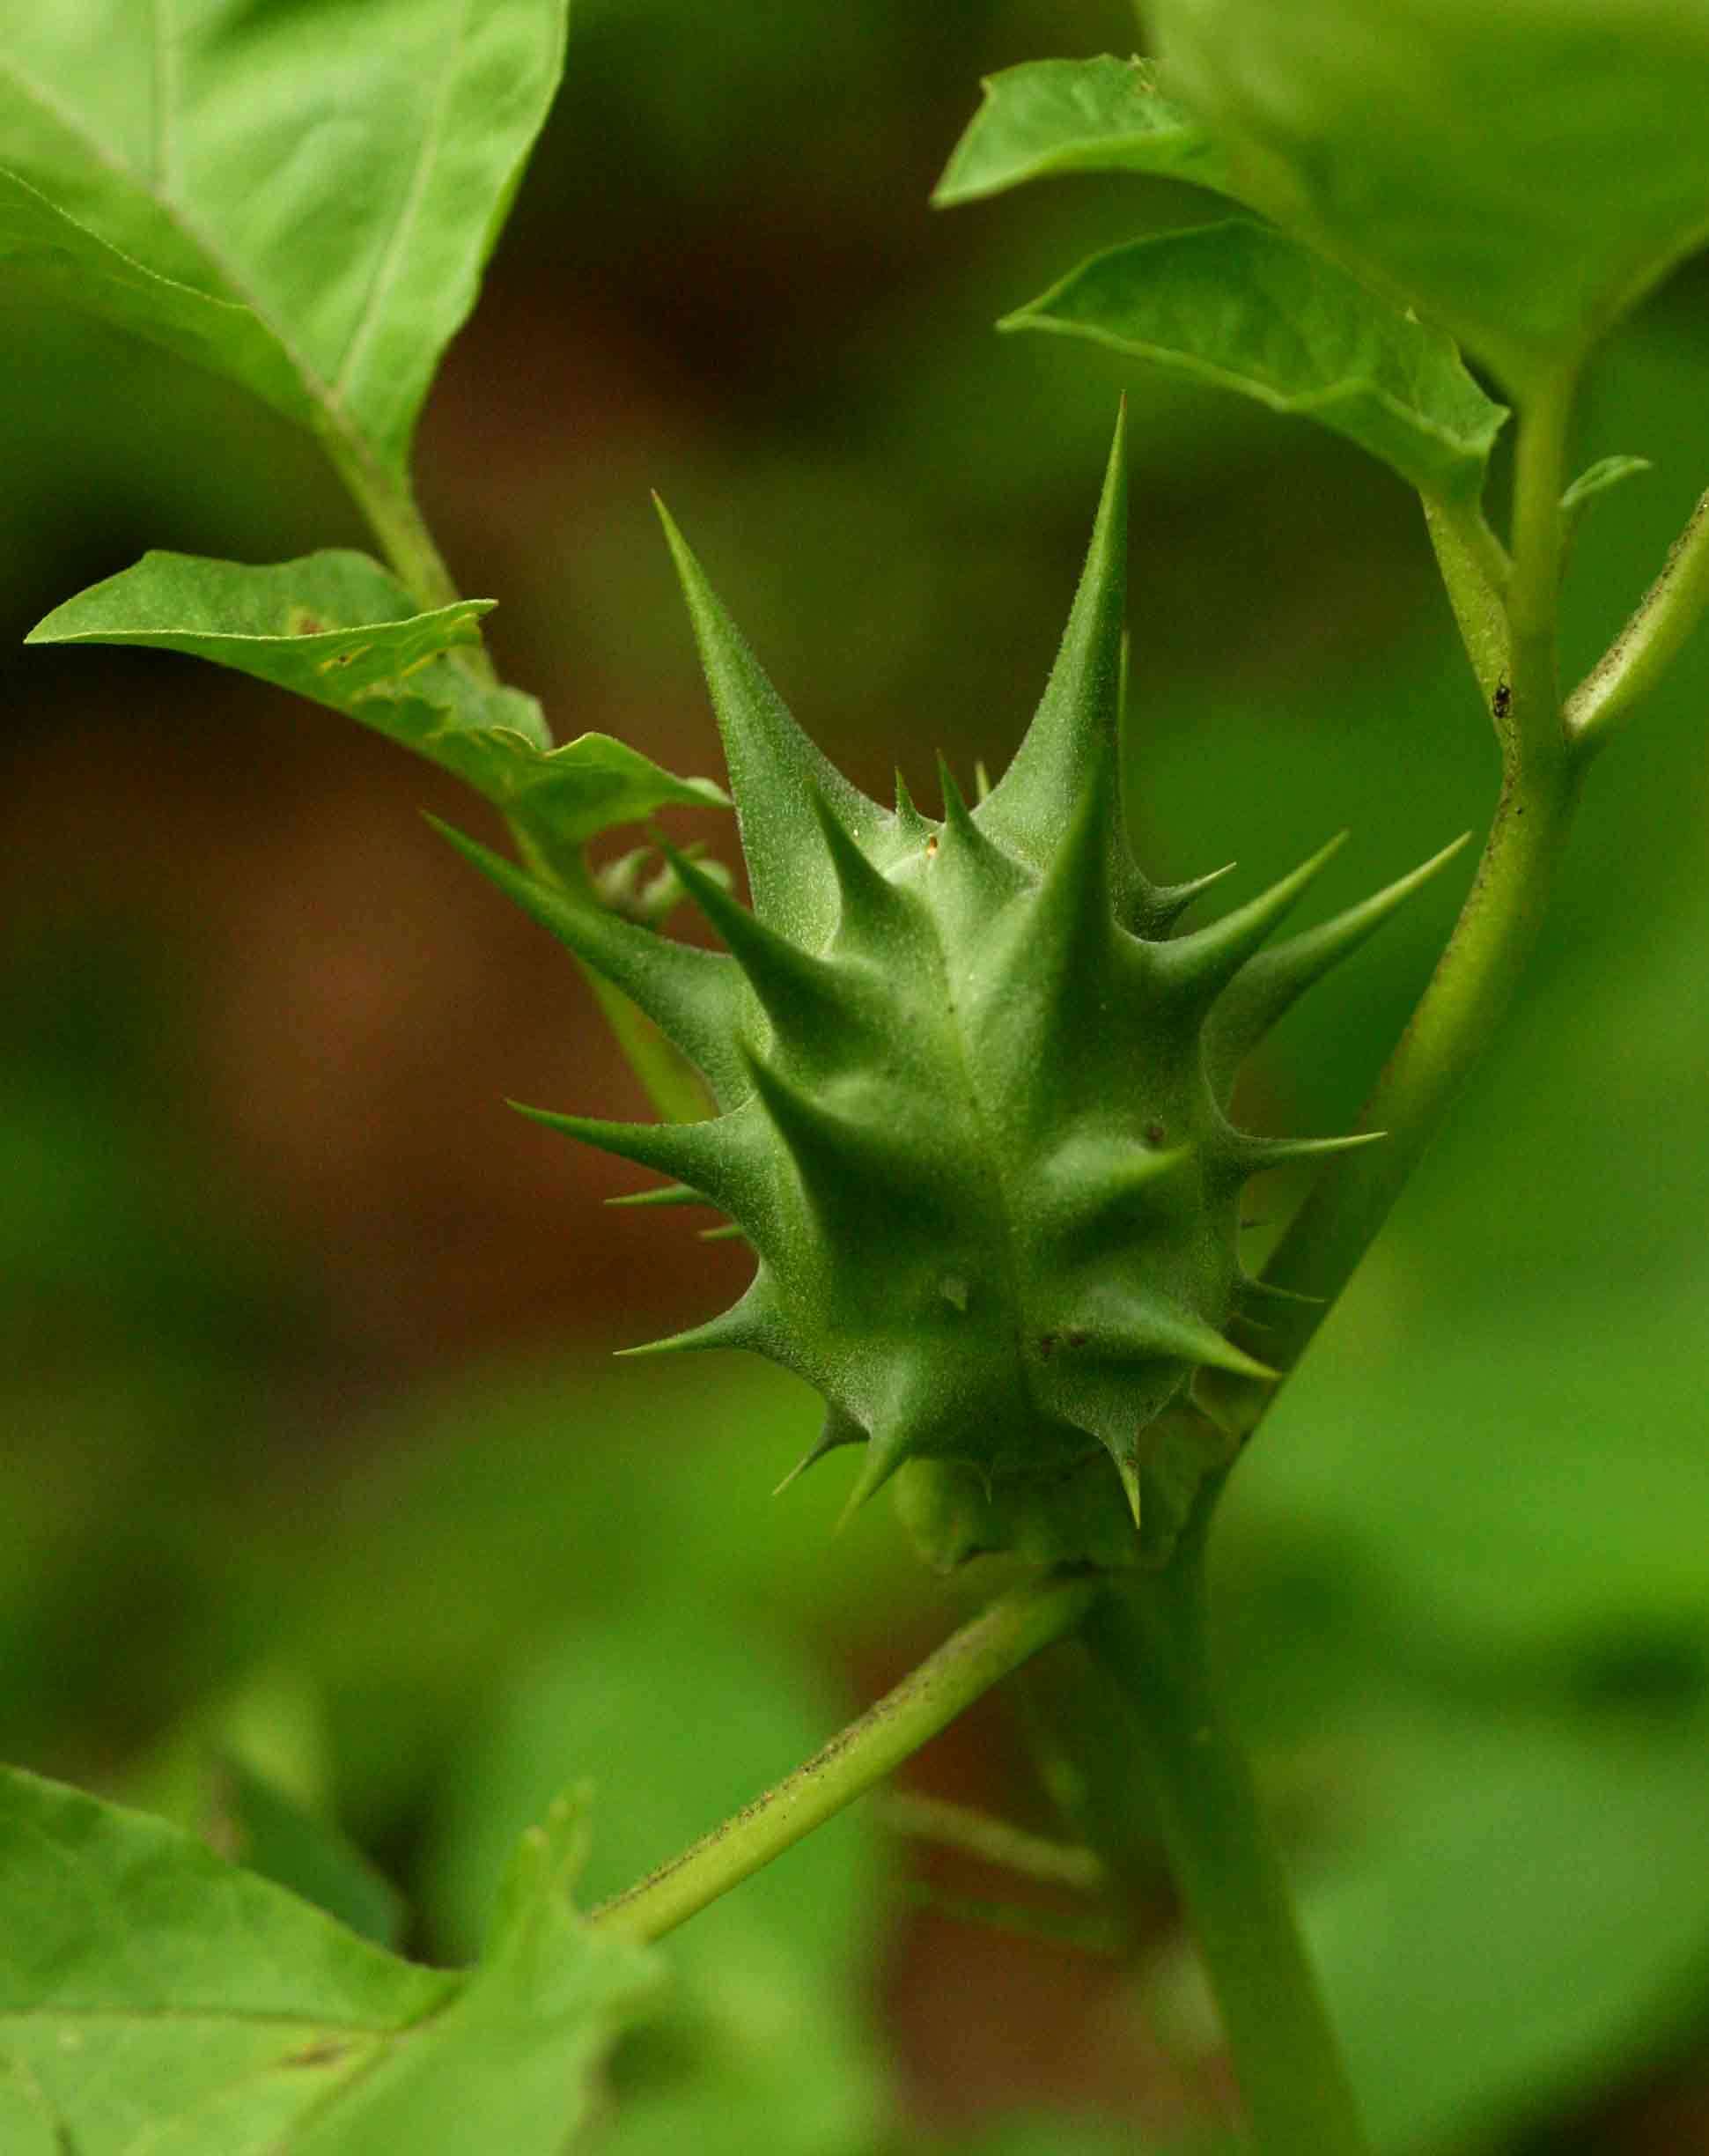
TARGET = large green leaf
x,y
1521,173
153,1994
301,197
1050,116
1523,1917
763,2042
337,628
1246,308
42,247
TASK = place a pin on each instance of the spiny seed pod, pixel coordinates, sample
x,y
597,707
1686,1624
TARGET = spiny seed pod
x,y
970,1097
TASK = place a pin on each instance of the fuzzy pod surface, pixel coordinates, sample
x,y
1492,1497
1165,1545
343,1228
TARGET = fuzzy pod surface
x,y
971,1098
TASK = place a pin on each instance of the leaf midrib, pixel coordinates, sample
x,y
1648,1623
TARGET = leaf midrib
x,y
387,274
328,396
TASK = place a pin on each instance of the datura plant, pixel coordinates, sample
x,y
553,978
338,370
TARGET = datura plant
x,y
972,1096
962,1081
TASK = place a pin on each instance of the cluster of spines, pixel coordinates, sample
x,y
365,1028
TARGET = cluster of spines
x,y
823,862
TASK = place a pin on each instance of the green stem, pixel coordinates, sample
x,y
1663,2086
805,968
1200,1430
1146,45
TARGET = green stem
x,y
390,506
397,523
1152,1641
1641,654
1476,977
968,1665
1475,572
995,1842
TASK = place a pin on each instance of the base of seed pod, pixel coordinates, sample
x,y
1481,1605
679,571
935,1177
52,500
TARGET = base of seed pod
x,y
1079,1515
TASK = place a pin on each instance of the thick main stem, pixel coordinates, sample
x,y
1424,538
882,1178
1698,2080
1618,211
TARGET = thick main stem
x,y
1151,1639
1492,941
968,1665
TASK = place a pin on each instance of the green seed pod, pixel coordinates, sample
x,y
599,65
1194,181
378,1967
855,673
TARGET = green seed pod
x,y
971,1101
1521,171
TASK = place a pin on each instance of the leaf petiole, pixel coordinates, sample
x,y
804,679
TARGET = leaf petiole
x,y
1013,1630
1645,647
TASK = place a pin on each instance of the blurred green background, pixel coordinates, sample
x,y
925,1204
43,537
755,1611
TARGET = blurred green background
x,y
313,1458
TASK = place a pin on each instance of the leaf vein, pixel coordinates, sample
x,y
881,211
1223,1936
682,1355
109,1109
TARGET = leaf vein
x,y
387,275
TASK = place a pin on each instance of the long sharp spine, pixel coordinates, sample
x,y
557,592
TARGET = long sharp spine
x,y
799,993
887,1450
837,1430
748,1324
1202,965
771,762
1076,720
711,1158
1251,1156
836,1157
689,995
1161,905
1270,982
1067,933
871,903
913,824
1189,1340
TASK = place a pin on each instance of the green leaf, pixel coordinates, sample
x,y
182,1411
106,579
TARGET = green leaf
x,y
1523,1917
337,628
266,1831
251,1773
1245,307
1521,173
45,251
763,2042
1050,116
152,1994
300,198
1597,478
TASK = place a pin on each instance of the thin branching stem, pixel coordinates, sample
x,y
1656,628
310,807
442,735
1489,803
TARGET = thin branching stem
x,y
994,1842
1645,648
1476,580
966,1666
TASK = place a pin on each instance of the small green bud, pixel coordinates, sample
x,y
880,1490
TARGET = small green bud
x,y
972,1106
631,885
